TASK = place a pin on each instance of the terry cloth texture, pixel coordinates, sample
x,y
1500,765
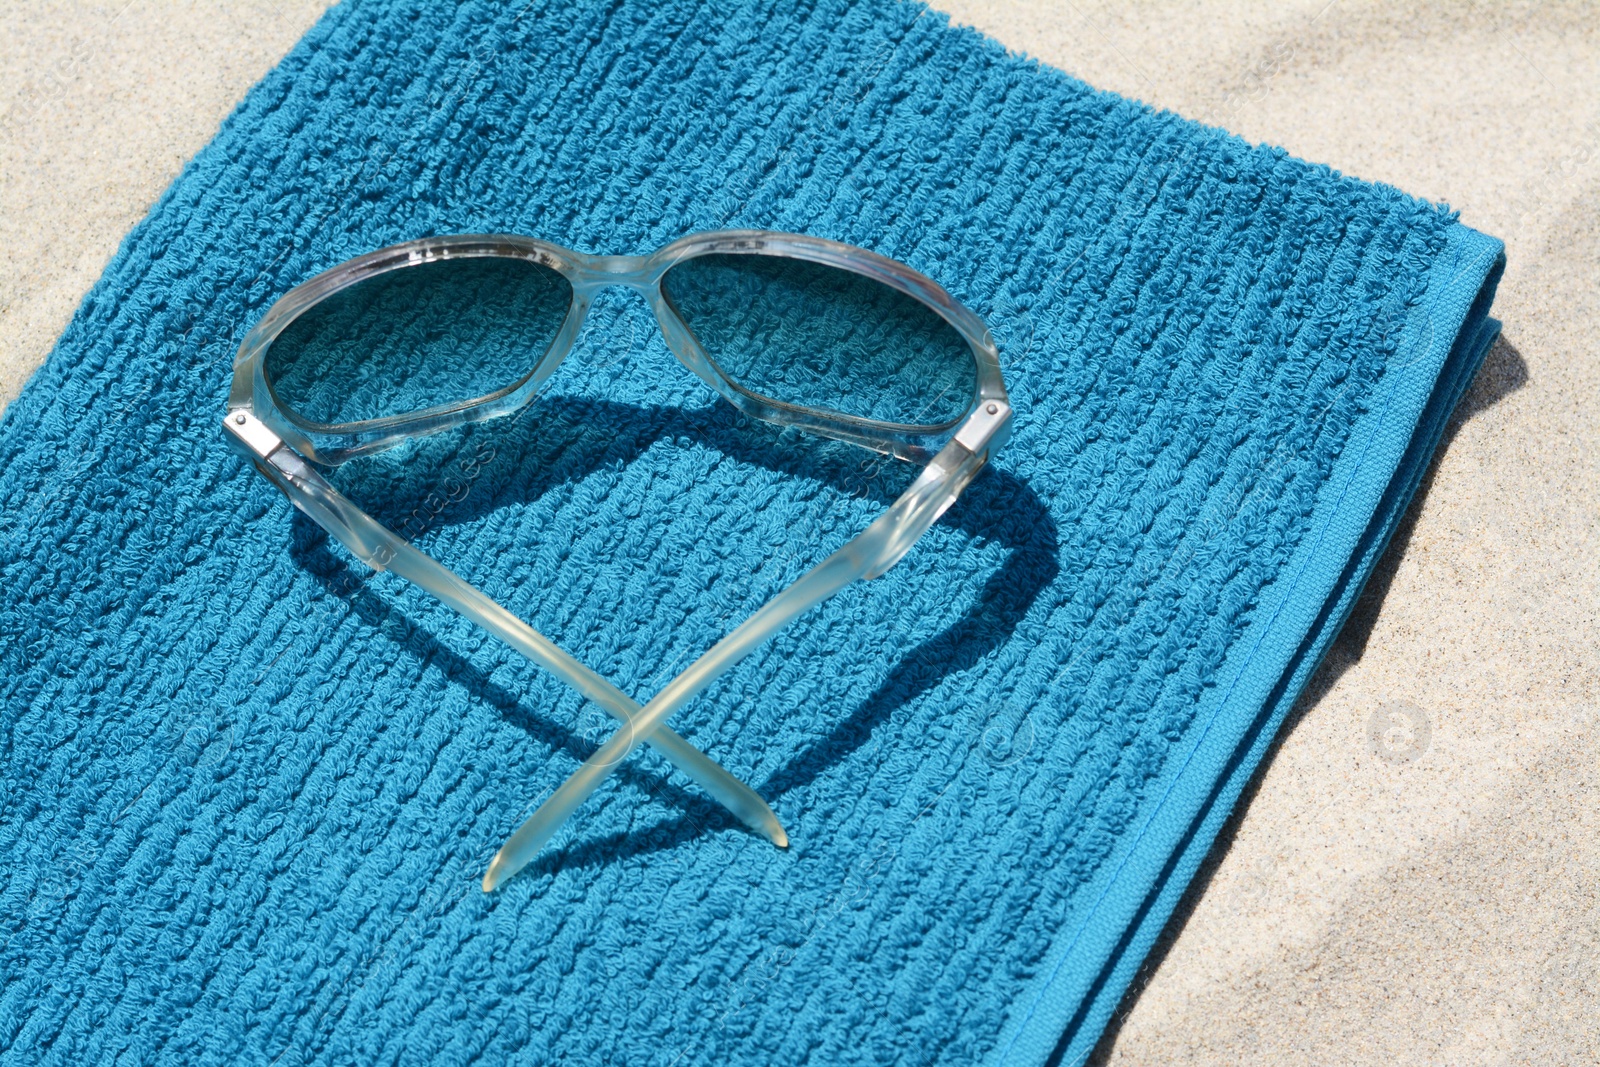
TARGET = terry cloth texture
x,y
250,787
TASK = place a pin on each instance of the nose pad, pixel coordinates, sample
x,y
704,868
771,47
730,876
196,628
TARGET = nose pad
x,y
619,327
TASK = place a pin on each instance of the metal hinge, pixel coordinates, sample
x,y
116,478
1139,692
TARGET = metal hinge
x,y
981,426
252,433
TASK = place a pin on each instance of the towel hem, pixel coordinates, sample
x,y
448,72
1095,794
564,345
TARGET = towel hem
x,y
1060,1016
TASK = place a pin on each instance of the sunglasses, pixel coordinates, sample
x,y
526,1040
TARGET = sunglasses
x,y
796,331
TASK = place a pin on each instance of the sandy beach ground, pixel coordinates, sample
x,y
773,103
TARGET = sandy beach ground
x,y
1415,878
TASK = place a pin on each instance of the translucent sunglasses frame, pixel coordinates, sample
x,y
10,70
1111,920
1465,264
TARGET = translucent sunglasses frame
x,y
283,448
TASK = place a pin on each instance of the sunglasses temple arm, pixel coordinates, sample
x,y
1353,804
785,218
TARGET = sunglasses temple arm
x,y
382,549
738,798
871,553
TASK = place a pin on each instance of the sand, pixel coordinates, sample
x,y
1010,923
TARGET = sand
x,y
101,105
1415,878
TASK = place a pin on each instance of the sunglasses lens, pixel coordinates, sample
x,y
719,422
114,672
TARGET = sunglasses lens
x,y
442,332
816,336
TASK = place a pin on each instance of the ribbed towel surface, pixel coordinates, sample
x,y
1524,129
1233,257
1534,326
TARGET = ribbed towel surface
x,y
250,787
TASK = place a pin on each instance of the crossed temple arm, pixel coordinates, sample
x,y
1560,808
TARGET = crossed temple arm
x,y
869,554
382,549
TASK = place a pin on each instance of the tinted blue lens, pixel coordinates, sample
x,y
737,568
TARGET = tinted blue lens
x,y
820,337
443,332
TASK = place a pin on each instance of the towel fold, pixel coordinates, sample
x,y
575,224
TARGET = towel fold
x,y
250,787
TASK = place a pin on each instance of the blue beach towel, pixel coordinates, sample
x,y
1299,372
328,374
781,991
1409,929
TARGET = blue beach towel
x,y
250,787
